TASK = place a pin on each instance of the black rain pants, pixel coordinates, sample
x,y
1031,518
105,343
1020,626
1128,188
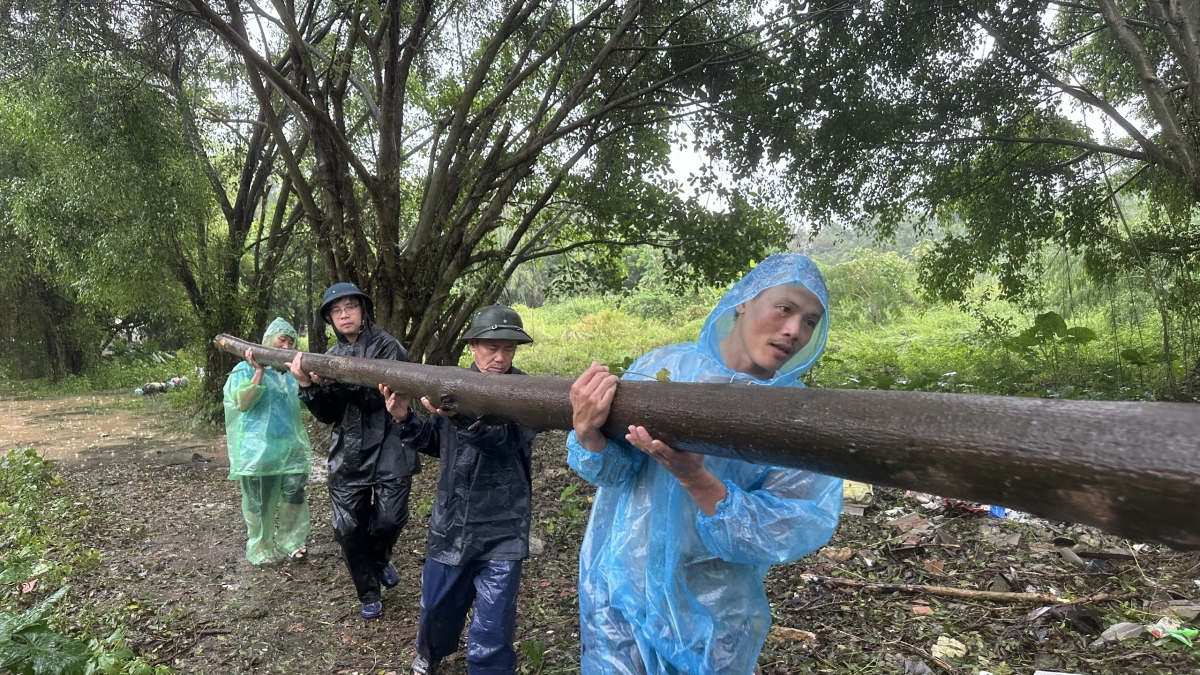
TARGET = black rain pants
x,y
367,520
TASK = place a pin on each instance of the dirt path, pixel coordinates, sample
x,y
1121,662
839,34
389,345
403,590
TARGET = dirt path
x,y
169,530
168,527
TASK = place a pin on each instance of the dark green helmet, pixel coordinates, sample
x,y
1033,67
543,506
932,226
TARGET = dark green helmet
x,y
344,289
497,322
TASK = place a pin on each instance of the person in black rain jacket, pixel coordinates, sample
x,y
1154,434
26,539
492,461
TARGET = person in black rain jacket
x,y
479,529
370,467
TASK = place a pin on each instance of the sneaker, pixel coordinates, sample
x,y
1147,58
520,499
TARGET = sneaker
x,y
422,667
390,577
372,610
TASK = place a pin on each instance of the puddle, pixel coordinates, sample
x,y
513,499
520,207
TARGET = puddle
x,y
93,429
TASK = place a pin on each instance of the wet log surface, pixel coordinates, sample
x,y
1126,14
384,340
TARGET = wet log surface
x,y
1129,468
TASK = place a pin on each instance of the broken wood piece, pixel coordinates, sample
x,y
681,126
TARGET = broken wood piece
x,y
783,634
942,591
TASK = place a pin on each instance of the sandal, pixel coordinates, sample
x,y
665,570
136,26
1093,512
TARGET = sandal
x,y
300,554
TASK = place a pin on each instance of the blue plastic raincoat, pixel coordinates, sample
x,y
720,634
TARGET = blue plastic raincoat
x,y
663,588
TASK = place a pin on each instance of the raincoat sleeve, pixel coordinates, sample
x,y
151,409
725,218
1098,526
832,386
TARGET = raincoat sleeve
x,y
324,405
369,398
493,439
423,434
790,515
617,463
240,390
245,397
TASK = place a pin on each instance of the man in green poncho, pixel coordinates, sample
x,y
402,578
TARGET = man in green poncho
x,y
269,453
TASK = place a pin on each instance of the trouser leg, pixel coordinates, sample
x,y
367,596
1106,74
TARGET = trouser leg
x,y
353,512
447,592
259,494
294,520
490,638
389,518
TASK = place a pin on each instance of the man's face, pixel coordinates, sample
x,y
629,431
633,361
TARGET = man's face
x,y
347,316
283,341
493,356
776,324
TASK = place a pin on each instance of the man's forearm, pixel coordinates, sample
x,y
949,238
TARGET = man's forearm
x,y
706,490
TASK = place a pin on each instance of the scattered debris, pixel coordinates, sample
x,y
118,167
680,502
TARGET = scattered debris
x,y
536,546
948,648
839,554
1121,631
1168,627
1071,557
782,634
856,497
916,667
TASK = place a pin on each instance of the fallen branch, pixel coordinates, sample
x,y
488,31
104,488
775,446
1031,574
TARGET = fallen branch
x,y
943,591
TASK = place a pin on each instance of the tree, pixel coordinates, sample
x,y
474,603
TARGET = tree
x,y
449,143
1014,125
91,185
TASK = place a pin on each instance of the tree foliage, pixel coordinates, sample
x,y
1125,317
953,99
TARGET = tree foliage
x,y
1008,127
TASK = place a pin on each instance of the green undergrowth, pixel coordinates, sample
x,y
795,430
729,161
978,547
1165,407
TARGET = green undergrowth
x,y
42,629
569,336
994,349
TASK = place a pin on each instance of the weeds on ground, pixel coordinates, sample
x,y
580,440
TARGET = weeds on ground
x,y
39,551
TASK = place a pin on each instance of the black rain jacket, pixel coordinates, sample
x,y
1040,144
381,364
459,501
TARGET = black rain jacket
x,y
484,495
366,447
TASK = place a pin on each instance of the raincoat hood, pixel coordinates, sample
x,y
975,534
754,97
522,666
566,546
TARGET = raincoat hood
x,y
280,326
777,270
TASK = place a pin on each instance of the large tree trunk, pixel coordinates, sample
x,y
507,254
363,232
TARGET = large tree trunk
x,y
1131,469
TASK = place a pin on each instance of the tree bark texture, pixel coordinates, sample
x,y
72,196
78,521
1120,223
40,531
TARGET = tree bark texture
x,y
1130,469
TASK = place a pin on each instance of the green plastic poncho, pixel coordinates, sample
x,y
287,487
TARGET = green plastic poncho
x,y
269,453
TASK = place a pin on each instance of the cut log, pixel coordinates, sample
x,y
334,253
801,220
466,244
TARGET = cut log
x,y
1129,468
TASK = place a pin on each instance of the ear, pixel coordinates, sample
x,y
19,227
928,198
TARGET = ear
x,y
740,309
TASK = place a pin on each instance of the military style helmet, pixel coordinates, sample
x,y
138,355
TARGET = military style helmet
x,y
497,322
344,289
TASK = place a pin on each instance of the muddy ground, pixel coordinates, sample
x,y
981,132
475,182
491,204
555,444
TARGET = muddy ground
x,y
168,527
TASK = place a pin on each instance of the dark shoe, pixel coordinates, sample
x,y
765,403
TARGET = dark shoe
x,y
390,577
422,667
372,610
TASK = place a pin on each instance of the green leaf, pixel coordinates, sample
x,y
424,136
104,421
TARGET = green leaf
x,y
1051,323
53,654
663,375
884,381
1134,356
1080,335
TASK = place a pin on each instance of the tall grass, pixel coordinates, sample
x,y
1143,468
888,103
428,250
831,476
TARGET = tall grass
x,y
569,336
918,347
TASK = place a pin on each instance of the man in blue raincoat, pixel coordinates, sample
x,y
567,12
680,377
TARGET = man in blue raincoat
x,y
678,544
